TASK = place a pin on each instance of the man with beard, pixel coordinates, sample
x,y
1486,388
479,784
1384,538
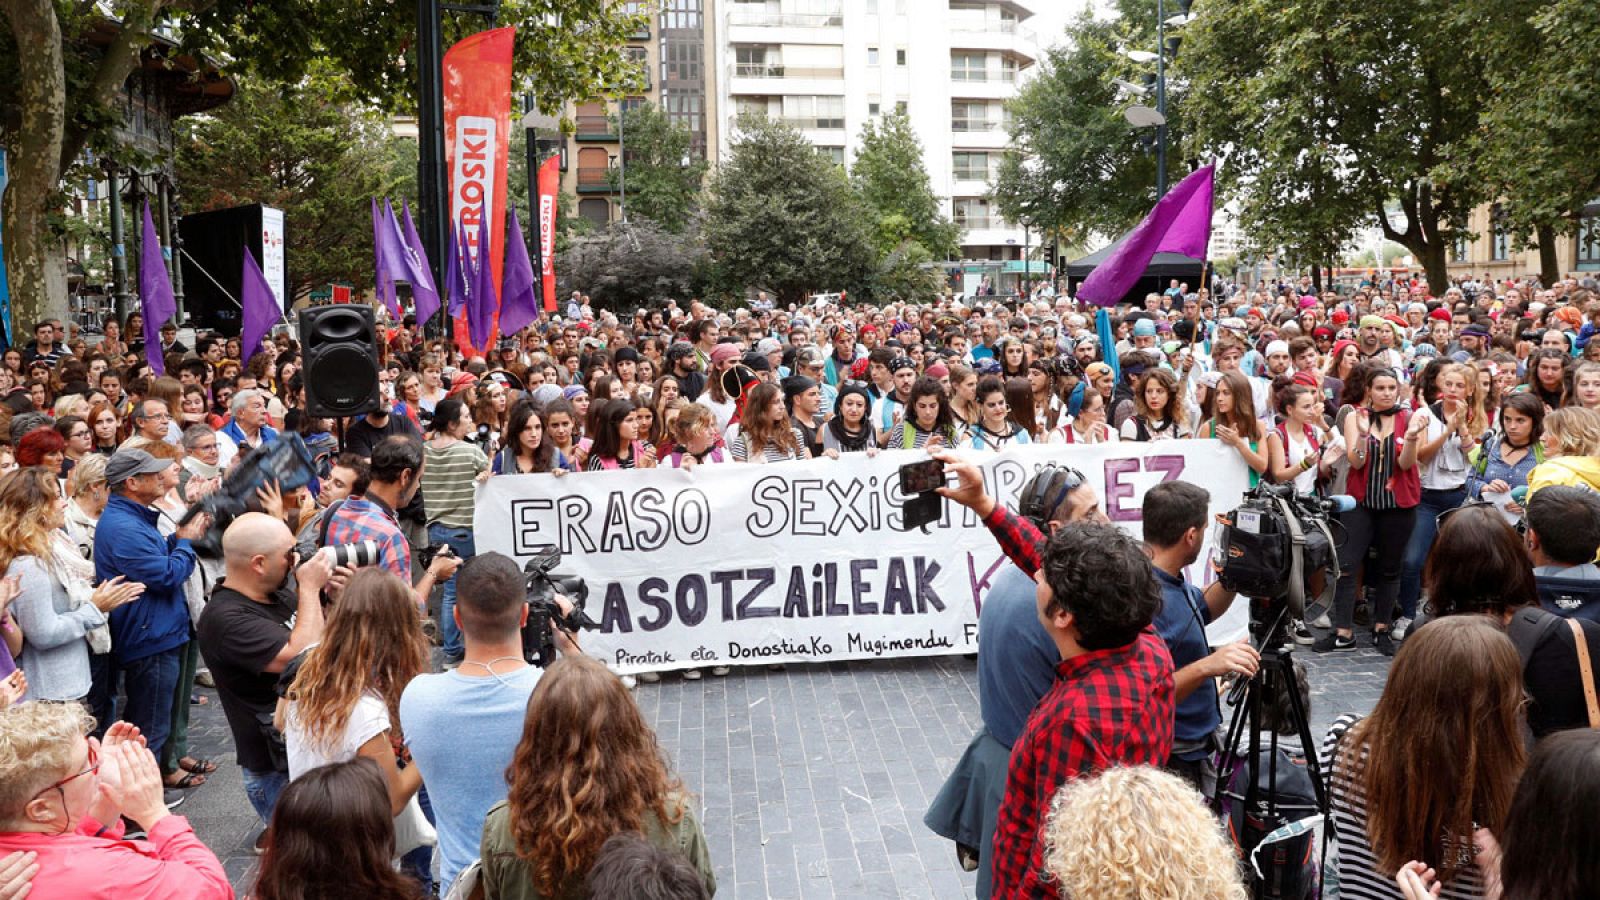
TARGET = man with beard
x,y
256,621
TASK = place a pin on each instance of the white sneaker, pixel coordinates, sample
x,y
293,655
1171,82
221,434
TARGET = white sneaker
x,y
691,674
1322,621
719,671
649,677
629,682
1401,626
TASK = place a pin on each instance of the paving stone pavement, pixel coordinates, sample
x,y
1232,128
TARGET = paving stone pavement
x,y
812,781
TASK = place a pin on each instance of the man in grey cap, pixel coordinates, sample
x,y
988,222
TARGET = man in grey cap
x,y
148,636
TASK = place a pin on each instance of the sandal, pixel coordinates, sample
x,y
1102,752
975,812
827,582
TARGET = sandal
x,y
197,766
198,700
189,780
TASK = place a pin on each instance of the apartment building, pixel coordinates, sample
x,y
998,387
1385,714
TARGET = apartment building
x,y
828,66
1490,252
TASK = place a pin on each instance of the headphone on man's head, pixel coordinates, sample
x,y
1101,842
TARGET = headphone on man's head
x,y
1043,493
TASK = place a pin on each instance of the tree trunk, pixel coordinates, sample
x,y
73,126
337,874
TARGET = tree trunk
x,y
1434,266
34,263
1549,268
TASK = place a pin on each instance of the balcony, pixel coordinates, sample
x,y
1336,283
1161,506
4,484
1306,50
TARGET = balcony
x,y
978,223
753,19
972,126
814,122
595,128
959,77
594,180
779,70
1005,36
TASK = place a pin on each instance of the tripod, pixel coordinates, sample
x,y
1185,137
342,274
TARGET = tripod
x,y
1276,673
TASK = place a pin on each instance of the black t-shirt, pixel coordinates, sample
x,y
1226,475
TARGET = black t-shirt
x,y
1553,679
238,639
362,436
691,385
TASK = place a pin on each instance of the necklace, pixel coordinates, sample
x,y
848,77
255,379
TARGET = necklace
x,y
489,666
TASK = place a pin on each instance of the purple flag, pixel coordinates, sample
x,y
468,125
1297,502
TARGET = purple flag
x,y
483,304
519,298
1179,223
382,283
392,265
156,303
424,293
261,310
458,271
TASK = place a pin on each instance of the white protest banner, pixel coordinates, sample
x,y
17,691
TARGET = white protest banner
x,y
736,564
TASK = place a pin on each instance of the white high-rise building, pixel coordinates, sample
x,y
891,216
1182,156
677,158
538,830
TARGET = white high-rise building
x,y
827,66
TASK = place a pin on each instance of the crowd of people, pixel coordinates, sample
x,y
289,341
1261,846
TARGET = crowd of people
x,y
1451,422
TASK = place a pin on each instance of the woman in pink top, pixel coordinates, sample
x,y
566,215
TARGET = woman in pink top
x,y
63,796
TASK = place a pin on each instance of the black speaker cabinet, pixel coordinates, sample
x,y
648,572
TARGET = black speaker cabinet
x,y
339,346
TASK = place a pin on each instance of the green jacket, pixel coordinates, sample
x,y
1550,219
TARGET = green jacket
x,y
507,877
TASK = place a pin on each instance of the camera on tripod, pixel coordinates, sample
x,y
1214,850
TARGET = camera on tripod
x,y
544,614
1275,542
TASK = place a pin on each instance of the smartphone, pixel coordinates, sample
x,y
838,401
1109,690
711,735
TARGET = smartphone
x,y
921,477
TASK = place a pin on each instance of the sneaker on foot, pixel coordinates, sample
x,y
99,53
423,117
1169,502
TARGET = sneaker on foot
x,y
719,671
1334,642
1383,643
649,677
173,797
1401,626
204,679
260,845
629,682
1322,621
1301,634
691,674
1363,615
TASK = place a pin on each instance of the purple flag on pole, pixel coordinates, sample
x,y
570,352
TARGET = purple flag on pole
x,y
483,304
156,302
1179,223
519,298
392,254
458,271
261,310
424,293
382,283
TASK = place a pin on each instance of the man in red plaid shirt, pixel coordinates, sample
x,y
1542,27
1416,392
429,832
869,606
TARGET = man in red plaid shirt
x,y
1112,703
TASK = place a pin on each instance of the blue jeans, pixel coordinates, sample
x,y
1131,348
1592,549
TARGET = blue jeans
x,y
459,540
150,683
102,699
263,789
1433,503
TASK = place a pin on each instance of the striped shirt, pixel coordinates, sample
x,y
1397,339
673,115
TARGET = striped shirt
x,y
1352,857
448,482
771,452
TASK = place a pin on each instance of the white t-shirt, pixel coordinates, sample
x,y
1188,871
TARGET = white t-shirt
x,y
723,412
369,719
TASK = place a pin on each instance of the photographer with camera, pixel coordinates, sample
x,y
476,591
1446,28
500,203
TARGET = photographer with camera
x,y
256,621
396,474
1017,660
483,697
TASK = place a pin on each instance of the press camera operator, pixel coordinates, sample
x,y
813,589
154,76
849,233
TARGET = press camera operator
x,y
1017,663
1174,528
395,474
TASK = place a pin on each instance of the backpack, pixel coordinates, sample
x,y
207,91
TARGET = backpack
x,y
1279,848
1577,598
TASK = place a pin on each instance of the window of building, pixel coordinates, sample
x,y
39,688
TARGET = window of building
x,y
971,212
836,154
966,165
680,61
900,56
872,7
965,116
1500,244
967,66
680,13
900,107
814,112
874,108
595,210
1460,247
872,56
1588,255
683,109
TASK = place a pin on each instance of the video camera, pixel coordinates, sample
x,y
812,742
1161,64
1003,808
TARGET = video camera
x,y
1275,541
544,615
284,460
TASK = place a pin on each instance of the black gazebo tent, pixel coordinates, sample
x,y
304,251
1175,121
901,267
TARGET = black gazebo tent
x,y
1163,268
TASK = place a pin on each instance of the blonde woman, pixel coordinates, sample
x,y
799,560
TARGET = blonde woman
x,y
1571,449
1136,831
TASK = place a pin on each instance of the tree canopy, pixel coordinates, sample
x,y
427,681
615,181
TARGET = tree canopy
x,y
889,174
664,177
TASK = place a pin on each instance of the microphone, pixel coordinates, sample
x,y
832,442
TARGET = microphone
x,y
1339,503
1519,495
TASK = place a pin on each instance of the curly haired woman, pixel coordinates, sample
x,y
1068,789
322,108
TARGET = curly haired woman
x,y
588,767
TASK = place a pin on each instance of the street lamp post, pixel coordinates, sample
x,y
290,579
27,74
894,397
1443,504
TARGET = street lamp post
x,y
1161,98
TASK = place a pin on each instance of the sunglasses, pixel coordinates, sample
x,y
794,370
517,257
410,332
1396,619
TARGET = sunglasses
x,y
1474,504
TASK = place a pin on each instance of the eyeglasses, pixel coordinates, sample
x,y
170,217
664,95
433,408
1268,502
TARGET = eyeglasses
x,y
94,766
1475,504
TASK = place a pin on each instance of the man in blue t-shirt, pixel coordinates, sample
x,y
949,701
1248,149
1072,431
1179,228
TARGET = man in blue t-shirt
x,y
1175,514
463,725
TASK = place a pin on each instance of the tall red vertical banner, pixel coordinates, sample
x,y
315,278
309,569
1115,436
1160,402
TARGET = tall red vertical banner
x,y
477,140
549,188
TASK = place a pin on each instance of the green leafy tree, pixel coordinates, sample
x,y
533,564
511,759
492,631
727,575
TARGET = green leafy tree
x,y
1324,111
309,151
1077,168
782,217
664,178
60,77
907,273
1535,148
890,176
623,266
